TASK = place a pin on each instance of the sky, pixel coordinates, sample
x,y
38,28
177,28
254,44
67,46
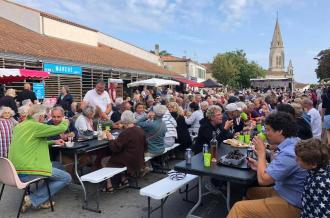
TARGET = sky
x,y
200,29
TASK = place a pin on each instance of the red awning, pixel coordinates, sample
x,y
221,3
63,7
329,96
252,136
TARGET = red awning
x,y
189,82
13,75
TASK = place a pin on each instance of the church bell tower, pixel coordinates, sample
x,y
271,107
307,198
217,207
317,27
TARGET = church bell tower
x,y
276,55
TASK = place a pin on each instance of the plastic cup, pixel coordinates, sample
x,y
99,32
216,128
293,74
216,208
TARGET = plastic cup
x,y
241,138
262,136
259,127
107,128
247,138
244,116
207,159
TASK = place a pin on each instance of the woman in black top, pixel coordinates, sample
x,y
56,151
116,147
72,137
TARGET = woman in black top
x,y
304,130
65,99
326,111
182,128
9,100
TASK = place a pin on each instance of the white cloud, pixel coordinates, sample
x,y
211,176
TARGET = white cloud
x,y
235,12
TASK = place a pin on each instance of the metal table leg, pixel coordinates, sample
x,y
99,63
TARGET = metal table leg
x,y
228,196
190,215
78,177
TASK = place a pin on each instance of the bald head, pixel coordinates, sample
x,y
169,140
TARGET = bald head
x,y
27,86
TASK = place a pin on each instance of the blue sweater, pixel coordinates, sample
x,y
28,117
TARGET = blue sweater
x,y
155,133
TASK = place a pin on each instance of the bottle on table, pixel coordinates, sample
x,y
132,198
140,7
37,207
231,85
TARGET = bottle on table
x,y
214,147
99,131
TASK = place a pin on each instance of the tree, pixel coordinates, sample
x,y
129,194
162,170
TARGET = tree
x,y
233,69
323,68
161,53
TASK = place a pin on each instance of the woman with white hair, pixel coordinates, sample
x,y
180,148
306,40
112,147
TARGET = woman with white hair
x,y
154,129
85,120
128,149
9,100
29,154
7,124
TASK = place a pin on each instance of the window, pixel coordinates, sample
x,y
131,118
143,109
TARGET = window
x,y
201,73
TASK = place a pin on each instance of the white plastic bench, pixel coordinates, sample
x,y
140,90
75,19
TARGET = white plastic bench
x,y
97,177
163,188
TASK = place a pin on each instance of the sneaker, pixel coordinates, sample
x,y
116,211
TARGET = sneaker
x,y
46,205
213,189
26,203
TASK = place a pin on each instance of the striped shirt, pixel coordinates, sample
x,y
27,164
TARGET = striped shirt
x,y
6,130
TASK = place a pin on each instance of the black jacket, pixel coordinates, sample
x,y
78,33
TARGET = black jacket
x,y
26,94
205,135
304,130
65,102
182,129
9,101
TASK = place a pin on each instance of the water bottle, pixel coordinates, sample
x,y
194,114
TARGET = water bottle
x,y
99,131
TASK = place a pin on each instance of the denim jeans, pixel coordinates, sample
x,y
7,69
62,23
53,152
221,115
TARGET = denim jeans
x,y
57,181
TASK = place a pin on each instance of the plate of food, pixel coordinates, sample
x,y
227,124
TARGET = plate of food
x,y
233,158
236,143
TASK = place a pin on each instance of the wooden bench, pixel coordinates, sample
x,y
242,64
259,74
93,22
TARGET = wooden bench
x,y
163,188
97,177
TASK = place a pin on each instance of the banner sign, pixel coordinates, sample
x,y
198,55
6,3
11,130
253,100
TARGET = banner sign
x,y
62,69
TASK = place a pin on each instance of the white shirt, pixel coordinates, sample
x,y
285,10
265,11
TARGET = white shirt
x,y
82,124
94,99
316,122
193,120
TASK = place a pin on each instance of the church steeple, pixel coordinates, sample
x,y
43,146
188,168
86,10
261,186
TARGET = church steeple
x,y
276,55
277,37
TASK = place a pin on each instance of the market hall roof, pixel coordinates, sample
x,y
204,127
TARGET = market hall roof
x,y
19,40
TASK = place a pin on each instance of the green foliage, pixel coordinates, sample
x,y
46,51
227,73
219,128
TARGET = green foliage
x,y
323,68
233,69
161,53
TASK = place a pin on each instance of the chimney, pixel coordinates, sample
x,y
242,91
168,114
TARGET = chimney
x,y
157,49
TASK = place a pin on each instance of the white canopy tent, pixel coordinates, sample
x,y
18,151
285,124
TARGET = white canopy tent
x,y
153,82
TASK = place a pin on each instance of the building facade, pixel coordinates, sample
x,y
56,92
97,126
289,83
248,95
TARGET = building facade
x,y
32,39
185,67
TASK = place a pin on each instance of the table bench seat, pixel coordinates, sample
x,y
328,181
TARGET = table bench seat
x,y
163,188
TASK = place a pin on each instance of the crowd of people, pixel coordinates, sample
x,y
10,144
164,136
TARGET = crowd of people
x,y
297,126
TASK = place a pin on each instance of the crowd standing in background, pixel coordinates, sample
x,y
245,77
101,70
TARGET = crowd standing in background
x,y
297,126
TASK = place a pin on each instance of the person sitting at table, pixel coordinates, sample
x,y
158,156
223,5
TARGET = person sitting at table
x,y
139,111
284,198
212,123
57,114
304,130
29,154
84,121
155,130
314,156
7,123
115,116
127,150
232,114
23,112
184,138
194,118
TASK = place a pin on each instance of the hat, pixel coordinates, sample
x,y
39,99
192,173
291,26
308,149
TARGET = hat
x,y
231,107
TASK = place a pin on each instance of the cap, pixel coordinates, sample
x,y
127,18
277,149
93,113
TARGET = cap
x,y
231,107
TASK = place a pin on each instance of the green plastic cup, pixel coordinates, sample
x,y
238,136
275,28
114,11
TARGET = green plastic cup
x,y
262,136
259,127
244,116
241,138
107,128
207,159
247,138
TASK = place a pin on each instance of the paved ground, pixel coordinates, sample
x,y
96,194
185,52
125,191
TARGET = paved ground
x,y
125,203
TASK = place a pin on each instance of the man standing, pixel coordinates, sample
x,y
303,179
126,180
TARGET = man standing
x,y
284,198
316,121
99,98
26,94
